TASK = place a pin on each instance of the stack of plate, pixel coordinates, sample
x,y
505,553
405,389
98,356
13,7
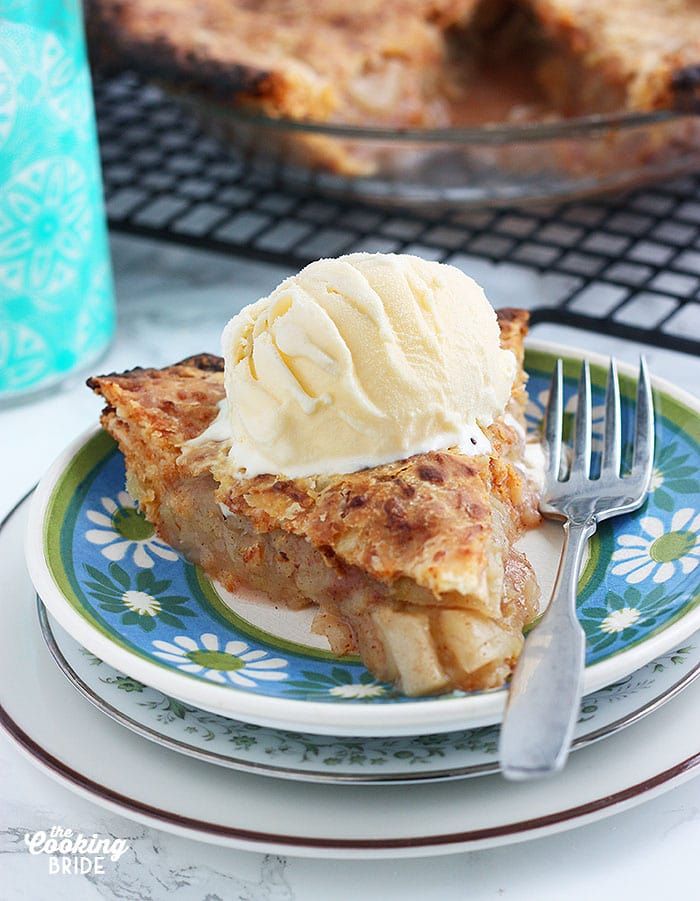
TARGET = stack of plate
x,y
205,692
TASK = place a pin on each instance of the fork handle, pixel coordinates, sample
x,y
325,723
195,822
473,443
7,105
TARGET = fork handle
x,y
545,691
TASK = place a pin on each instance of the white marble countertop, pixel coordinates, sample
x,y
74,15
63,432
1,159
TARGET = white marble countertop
x,y
173,302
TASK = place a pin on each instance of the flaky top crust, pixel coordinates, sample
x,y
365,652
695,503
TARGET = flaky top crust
x,y
650,49
309,59
296,58
429,519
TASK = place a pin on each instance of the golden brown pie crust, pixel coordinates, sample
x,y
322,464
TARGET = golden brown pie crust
x,y
357,62
412,564
409,62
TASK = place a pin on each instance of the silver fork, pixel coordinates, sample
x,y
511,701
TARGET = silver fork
x,y
545,691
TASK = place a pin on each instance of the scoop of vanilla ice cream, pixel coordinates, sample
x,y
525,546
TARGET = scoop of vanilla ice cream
x,y
360,361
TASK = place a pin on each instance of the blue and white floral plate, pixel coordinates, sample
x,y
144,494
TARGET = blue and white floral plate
x,y
136,604
323,758
71,741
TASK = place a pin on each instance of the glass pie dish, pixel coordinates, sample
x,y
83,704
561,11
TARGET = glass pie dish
x,y
490,165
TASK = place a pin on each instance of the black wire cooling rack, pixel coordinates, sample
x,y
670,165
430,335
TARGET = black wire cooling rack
x,y
627,266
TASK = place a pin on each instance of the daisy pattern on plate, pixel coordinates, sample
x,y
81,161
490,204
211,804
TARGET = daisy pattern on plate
x,y
358,690
659,551
534,415
235,662
340,684
623,616
619,620
141,603
673,474
138,599
123,530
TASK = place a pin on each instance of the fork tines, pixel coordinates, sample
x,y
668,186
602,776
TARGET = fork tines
x,y
578,464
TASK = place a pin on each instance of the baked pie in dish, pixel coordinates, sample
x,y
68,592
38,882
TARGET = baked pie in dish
x,y
411,63
411,563
425,102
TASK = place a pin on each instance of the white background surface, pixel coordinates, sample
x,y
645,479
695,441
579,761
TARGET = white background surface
x,y
173,303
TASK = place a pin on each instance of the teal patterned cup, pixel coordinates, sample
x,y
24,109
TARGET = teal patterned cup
x,y
56,297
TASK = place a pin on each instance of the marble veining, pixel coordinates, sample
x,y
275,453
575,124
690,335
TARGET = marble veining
x,y
147,871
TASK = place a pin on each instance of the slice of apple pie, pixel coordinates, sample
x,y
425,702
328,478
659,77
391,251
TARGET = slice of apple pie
x,y
412,564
